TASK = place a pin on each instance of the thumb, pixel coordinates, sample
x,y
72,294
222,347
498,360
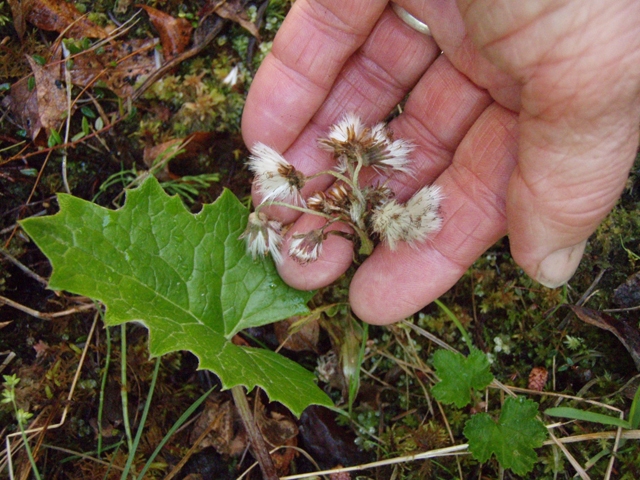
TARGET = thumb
x,y
578,123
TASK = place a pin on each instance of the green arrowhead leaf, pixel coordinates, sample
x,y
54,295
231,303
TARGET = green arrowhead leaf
x,y
459,374
513,439
186,277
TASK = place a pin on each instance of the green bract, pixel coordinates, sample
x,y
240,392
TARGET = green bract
x,y
186,277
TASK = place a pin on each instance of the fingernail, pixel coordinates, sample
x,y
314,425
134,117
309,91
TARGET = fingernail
x,y
559,266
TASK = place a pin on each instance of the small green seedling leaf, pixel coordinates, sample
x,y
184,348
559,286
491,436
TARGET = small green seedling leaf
x,y
87,112
577,414
54,138
512,439
459,374
186,277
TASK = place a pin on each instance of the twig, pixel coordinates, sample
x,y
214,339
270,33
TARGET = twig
x,y
258,445
441,452
45,316
82,455
22,267
7,361
576,465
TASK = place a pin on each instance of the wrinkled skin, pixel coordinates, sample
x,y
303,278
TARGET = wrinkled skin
x,y
529,122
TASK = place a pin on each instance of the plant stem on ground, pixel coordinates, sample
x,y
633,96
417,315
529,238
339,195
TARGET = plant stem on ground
x,y
258,445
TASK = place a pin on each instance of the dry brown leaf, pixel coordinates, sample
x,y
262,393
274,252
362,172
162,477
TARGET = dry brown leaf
x,y
54,15
628,294
628,334
230,10
304,338
191,146
277,429
227,435
175,33
23,105
44,106
51,94
19,12
153,153
538,378
119,65
40,348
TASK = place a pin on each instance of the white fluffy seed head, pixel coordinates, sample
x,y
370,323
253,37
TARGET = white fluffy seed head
x,y
412,222
276,179
349,129
263,236
351,141
306,248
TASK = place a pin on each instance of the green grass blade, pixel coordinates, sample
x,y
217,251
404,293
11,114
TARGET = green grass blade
x,y
576,414
183,418
454,319
634,413
143,419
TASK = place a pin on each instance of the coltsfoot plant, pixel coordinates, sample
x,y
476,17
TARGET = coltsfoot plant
x,y
186,277
370,211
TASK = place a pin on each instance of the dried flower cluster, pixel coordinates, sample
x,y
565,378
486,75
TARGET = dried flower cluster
x,y
371,212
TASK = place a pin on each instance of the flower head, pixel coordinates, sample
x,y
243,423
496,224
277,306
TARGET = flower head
x,y
349,129
387,153
351,142
336,201
306,247
262,236
412,222
276,178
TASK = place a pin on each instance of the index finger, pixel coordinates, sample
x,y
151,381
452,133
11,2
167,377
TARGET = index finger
x,y
311,48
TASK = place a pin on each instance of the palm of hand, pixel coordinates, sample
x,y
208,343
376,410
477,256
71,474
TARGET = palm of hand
x,y
506,125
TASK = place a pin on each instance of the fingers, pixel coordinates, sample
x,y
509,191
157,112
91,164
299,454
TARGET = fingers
x,y
371,83
450,32
439,113
565,185
390,286
313,44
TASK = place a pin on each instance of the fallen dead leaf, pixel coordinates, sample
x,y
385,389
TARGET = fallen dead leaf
x,y
227,434
51,94
175,33
628,334
54,15
628,294
40,348
305,337
191,146
327,442
119,65
23,105
230,10
277,429
19,12
44,106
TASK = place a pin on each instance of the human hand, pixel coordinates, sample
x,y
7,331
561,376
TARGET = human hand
x,y
528,122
